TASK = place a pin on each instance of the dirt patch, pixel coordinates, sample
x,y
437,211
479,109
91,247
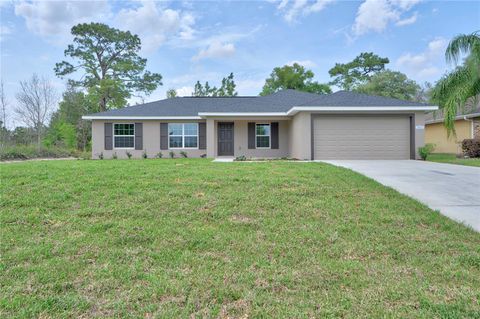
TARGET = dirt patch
x,y
241,219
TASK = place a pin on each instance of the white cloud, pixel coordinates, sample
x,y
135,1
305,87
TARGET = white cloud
x,y
305,63
407,21
215,50
429,72
55,18
423,65
185,91
437,46
405,4
221,45
292,9
375,15
148,19
155,25
318,6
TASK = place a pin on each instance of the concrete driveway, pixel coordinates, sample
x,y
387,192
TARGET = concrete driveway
x,y
454,190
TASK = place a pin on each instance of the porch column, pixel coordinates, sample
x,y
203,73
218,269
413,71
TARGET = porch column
x,y
211,138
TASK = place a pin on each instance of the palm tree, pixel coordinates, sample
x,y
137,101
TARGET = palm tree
x,y
454,89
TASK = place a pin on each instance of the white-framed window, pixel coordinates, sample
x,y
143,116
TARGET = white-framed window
x,y
262,136
183,135
123,135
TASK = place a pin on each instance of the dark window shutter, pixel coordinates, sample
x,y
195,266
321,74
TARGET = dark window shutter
x,y
138,136
164,136
274,135
202,136
251,135
108,136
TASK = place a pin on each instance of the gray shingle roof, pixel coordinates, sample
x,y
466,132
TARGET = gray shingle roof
x,y
281,101
347,98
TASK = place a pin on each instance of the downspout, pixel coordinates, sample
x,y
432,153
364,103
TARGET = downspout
x,y
471,125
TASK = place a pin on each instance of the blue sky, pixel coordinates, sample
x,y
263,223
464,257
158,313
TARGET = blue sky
x,y
187,41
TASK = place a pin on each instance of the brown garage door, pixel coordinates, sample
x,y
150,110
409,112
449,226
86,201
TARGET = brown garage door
x,y
361,137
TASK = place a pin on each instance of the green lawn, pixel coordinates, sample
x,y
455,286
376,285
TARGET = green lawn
x,y
452,159
187,237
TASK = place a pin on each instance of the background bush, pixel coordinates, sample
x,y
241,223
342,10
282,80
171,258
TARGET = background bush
x,y
32,151
471,147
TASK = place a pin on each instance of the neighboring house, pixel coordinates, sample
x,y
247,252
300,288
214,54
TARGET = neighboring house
x,y
289,123
467,125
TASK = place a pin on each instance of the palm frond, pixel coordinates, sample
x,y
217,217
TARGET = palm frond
x,y
453,91
462,44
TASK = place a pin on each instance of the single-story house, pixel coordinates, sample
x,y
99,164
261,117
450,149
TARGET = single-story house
x,y
467,126
289,123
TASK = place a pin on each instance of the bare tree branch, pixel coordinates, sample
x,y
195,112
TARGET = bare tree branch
x,y
36,101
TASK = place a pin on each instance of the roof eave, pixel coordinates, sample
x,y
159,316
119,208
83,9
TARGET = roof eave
x,y
241,114
294,110
112,117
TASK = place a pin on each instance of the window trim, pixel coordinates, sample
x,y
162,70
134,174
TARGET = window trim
x,y
269,136
183,137
113,135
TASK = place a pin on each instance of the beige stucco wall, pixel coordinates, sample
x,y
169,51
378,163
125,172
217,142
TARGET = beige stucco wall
x,y
241,140
300,136
436,133
419,132
211,138
151,141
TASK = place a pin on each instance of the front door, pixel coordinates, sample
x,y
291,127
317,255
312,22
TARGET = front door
x,y
225,139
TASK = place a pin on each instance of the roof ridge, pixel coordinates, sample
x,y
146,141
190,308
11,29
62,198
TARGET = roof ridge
x,y
213,97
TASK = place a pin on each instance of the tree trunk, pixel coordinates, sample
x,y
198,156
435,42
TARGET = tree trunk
x,y
103,104
39,137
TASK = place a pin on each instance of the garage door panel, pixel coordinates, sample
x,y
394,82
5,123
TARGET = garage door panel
x,y
362,137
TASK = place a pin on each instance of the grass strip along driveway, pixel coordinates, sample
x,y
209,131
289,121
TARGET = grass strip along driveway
x,y
176,238
452,159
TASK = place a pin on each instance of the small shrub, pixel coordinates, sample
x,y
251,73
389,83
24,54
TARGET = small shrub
x,y
426,150
144,154
84,155
159,155
100,156
471,147
114,156
129,155
171,154
241,158
183,154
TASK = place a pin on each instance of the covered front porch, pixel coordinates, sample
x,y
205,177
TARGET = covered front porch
x,y
249,137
